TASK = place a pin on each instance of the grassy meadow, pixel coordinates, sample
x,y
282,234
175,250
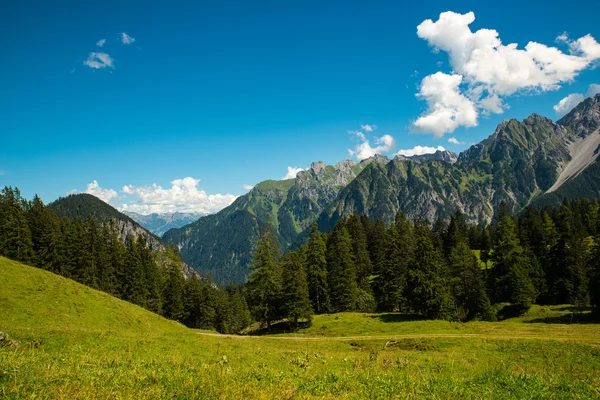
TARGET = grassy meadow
x,y
78,343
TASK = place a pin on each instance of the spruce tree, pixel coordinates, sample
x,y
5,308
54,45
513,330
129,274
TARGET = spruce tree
x,y
172,291
428,290
510,275
468,285
296,302
362,261
316,269
341,270
265,285
15,236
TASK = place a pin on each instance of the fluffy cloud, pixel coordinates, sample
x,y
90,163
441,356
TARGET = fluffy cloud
x,y
183,196
368,128
364,149
571,101
99,61
485,70
447,108
105,195
292,172
126,39
247,187
100,42
418,150
568,103
72,191
454,140
593,90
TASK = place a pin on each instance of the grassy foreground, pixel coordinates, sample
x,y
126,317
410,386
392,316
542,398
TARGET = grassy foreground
x,y
80,343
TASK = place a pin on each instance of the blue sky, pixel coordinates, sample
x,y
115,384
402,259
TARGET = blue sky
x,y
228,94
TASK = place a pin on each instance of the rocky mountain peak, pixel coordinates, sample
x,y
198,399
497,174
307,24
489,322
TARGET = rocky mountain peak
x,y
318,167
439,155
378,158
585,118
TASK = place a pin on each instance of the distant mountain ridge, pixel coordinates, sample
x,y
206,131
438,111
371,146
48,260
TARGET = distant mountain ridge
x,y
532,162
159,223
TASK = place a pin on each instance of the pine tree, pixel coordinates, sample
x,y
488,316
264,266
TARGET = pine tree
x,y
399,255
265,285
45,233
316,269
341,270
428,291
296,302
468,285
362,261
510,275
15,236
172,292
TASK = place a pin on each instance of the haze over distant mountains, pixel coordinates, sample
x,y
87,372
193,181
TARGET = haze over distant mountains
x,y
160,223
532,162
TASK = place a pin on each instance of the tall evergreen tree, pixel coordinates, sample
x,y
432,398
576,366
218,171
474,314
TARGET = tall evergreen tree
x,y
15,236
343,287
265,282
510,275
428,291
296,302
172,292
316,268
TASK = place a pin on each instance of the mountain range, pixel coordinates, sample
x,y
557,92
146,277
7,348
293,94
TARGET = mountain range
x,y
159,223
535,162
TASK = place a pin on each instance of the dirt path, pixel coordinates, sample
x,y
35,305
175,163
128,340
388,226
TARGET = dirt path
x,y
560,338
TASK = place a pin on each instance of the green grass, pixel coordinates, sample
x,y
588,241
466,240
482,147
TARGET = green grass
x,y
80,343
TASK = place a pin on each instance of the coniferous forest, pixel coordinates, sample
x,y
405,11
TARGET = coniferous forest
x,y
446,270
92,254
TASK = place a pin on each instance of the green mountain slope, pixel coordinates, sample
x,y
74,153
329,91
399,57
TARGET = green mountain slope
x,y
84,205
518,164
34,298
222,244
521,163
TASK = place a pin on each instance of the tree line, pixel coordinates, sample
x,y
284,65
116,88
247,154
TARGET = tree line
x,y
93,254
447,270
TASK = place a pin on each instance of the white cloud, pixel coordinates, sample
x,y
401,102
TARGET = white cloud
x,y
364,149
292,172
454,140
447,108
247,187
568,103
105,195
368,128
418,150
571,101
99,61
126,39
100,42
183,196
593,90
489,70
72,191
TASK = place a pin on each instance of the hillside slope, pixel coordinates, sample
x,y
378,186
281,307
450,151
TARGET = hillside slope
x,y
78,343
85,205
34,298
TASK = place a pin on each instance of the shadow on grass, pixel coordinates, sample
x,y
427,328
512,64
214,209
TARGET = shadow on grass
x,y
281,327
585,318
398,317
